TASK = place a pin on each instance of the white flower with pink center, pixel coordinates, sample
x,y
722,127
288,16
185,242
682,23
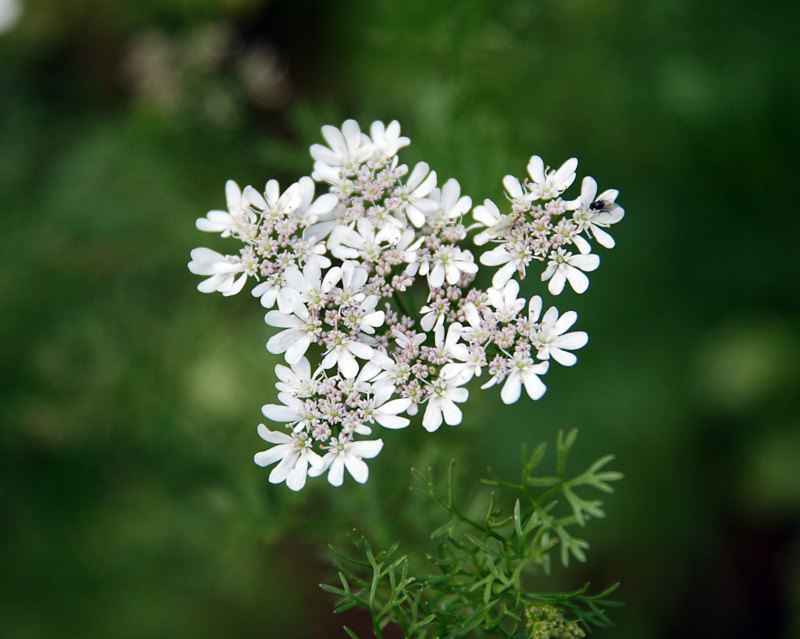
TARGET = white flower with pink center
x,y
294,454
444,395
350,456
549,184
567,267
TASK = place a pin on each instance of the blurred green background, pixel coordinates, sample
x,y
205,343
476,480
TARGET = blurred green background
x,y
129,503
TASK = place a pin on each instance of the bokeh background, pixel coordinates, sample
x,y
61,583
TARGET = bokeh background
x,y
129,504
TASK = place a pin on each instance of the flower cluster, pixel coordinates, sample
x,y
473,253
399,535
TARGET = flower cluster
x,y
371,285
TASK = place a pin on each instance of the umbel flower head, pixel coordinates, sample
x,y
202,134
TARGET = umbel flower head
x,y
368,268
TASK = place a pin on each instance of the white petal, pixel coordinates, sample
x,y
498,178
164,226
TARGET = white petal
x,y
556,284
296,351
512,389
564,322
503,275
280,471
495,257
565,358
347,364
571,341
577,279
585,262
233,195
451,412
565,174
336,472
534,308
267,457
432,418
588,191
533,385
436,276
273,436
296,478
357,468
603,238
255,198
513,187
360,350
367,449
392,421
581,244
536,169
335,140
278,413
281,320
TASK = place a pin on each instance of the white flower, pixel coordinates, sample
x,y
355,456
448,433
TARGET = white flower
x,y
478,330
444,393
301,329
505,301
293,411
488,215
295,455
238,219
342,351
452,206
273,289
317,212
222,270
595,214
566,267
514,190
385,411
353,279
386,140
370,319
414,194
432,317
523,371
308,288
449,262
385,370
468,367
279,205
296,380
348,149
348,455
407,247
512,262
552,339
364,243
550,184
448,347
470,359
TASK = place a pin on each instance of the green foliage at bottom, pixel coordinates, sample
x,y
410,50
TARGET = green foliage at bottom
x,y
483,569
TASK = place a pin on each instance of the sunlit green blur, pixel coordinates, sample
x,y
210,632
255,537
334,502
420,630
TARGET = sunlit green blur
x,y
129,503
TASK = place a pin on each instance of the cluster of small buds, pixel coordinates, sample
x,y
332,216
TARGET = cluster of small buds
x,y
374,286
548,622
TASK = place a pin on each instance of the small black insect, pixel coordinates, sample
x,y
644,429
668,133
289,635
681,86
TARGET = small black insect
x,y
601,205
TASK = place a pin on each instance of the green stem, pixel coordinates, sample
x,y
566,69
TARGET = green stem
x,y
376,625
